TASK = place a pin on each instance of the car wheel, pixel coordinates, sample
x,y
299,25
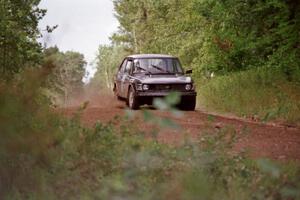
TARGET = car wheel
x,y
132,100
188,103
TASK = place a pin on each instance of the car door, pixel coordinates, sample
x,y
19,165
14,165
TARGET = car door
x,y
119,77
125,81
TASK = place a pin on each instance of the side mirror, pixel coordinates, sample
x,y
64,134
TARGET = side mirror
x,y
189,71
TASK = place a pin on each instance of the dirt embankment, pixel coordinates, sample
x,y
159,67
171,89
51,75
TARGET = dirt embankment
x,y
260,140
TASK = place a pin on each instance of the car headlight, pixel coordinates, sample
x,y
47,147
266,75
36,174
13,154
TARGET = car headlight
x,y
139,87
188,87
146,87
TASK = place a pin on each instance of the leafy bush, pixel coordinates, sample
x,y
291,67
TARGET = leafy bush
x,y
29,132
204,169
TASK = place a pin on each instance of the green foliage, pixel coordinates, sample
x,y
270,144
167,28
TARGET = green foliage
x,y
211,35
18,34
43,156
263,94
159,27
168,102
218,38
249,34
29,133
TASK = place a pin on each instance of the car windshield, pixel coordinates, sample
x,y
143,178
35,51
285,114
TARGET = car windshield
x,y
157,66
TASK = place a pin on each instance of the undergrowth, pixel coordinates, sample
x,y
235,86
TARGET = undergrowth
x,y
105,163
263,94
44,156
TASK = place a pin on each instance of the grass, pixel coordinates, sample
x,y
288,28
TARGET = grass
x,y
262,94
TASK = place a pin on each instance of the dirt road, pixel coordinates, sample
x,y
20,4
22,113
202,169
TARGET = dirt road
x,y
260,140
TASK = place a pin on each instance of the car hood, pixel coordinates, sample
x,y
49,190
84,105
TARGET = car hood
x,y
164,79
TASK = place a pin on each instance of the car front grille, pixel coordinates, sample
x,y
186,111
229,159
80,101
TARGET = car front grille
x,y
167,87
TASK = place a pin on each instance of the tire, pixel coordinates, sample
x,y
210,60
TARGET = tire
x,y
188,103
132,100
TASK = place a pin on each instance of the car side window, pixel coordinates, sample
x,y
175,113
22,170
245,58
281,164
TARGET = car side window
x,y
129,66
123,65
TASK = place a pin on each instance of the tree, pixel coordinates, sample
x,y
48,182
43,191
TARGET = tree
x,y
66,77
212,35
18,34
108,60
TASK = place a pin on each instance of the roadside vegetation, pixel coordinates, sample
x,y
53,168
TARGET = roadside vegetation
x,y
260,94
46,156
247,52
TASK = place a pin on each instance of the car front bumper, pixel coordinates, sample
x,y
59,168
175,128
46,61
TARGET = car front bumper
x,y
147,97
163,94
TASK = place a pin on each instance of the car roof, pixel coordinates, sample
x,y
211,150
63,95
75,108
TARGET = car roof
x,y
150,56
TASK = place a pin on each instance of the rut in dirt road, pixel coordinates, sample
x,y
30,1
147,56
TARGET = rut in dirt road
x,y
260,140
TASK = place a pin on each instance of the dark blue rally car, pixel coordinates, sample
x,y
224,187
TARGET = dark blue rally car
x,y
141,78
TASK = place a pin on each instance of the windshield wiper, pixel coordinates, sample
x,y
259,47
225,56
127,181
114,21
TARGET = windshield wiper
x,y
144,70
160,69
